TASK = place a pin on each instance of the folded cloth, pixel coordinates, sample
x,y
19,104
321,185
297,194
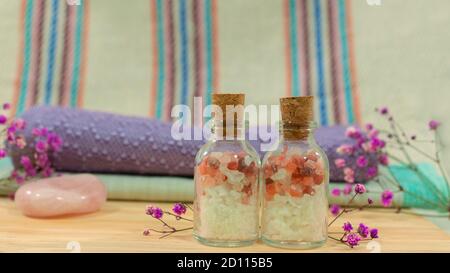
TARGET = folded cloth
x,y
175,188
109,143
148,188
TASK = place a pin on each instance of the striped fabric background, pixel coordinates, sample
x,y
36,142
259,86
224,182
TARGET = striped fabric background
x,y
48,27
184,54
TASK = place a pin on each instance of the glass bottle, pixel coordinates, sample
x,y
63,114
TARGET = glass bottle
x,y
295,182
226,204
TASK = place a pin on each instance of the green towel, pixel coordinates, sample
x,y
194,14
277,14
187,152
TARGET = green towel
x,y
171,188
148,188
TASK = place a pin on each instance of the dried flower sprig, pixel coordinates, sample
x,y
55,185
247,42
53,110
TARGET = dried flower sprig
x,y
349,236
157,213
43,142
394,145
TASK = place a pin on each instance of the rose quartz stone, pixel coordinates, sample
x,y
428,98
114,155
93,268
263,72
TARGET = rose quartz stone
x,y
63,195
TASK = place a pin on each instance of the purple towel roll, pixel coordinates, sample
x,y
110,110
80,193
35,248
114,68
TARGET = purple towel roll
x,y
111,143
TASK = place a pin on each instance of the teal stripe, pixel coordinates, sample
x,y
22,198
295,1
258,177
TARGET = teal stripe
x,y
161,70
209,62
345,63
294,48
77,56
27,56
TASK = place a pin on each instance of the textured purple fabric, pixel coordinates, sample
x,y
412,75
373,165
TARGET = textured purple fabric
x,y
111,143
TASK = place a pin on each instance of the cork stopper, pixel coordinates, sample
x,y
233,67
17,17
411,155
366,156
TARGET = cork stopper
x,y
233,114
296,115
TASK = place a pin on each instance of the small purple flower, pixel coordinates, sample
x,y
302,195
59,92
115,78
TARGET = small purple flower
x,y
6,106
373,133
335,209
369,201
20,142
383,159
369,126
353,239
340,163
384,111
374,233
36,132
146,232
348,188
26,162
375,143
387,197
41,146
155,212
42,160
363,230
372,172
19,124
360,189
353,132
345,149
433,124
30,172
413,137
54,141
336,192
349,175
3,119
347,227
47,171
362,161
179,208
2,153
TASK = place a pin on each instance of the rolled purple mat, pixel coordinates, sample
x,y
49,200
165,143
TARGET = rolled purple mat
x,y
102,142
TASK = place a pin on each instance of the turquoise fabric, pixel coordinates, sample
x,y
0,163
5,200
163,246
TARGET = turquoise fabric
x,y
170,188
422,192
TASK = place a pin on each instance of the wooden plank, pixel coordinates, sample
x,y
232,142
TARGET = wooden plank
x,y
118,228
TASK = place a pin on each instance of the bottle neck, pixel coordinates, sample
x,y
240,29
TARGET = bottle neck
x,y
228,131
297,133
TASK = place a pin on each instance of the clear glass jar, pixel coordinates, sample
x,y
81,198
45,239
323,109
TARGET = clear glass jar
x,y
226,203
295,185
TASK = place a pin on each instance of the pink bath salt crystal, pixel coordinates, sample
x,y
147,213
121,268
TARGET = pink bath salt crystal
x,y
308,181
310,165
312,155
63,195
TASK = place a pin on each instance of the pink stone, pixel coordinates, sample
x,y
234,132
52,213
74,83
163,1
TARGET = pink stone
x,y
64,195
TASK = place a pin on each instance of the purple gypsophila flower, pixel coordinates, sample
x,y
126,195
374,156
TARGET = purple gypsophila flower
x,y
347,227
362,161
2,153
360,189
433,124
155,212
335,209
179,209
6,106
3,119
387,197
372,172
383,159
41,146
363,230
374,233
353,239
384,111
336,192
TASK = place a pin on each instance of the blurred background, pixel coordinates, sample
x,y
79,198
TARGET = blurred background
x,y
140,57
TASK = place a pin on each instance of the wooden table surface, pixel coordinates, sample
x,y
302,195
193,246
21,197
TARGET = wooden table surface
x,y
118,228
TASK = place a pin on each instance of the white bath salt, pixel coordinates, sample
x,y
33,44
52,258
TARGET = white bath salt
x,y
298,219
223,216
